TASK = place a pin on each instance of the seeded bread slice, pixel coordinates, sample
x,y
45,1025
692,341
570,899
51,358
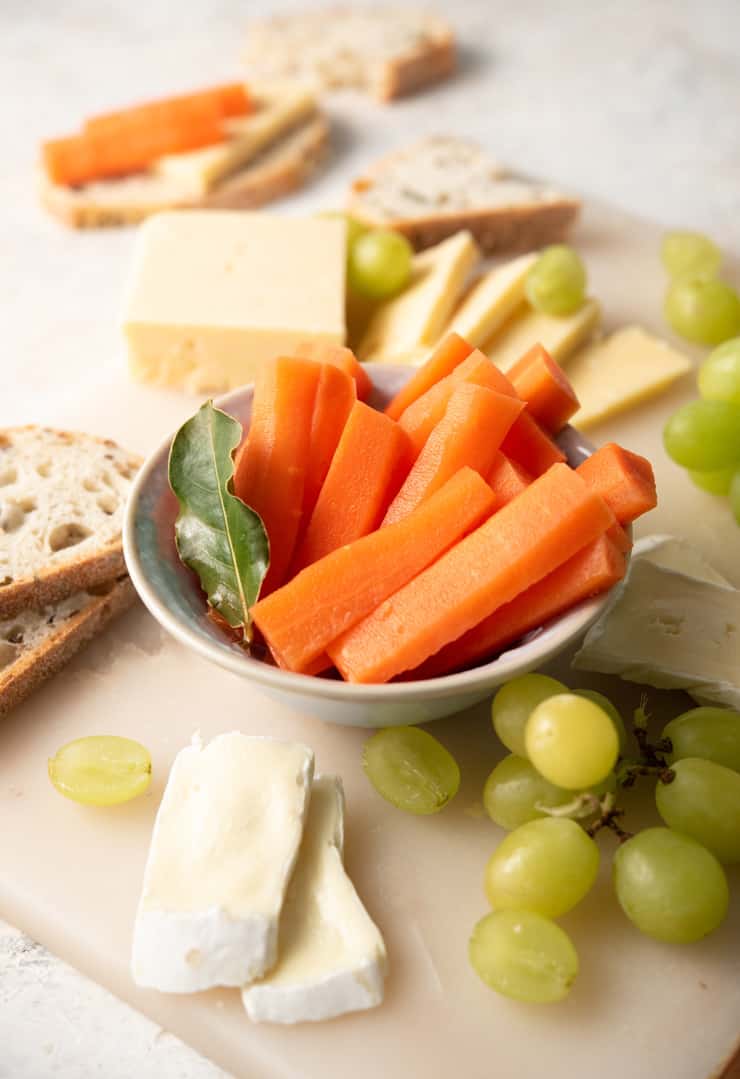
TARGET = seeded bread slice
x,y
62,496
387,51
35,644
443,184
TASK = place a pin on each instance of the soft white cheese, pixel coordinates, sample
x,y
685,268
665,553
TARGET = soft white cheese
x,y
224,846
332,957
670,552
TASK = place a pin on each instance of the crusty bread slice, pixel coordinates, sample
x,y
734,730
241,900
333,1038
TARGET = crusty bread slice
x,y
62,496
35,644
386,51
443,184
280,168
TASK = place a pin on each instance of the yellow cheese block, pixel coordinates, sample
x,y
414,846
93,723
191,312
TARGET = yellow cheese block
x,y
620,371
527,327
417,316
214,295
200,170
491,301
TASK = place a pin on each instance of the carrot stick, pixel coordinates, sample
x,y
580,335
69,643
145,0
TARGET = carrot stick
x,y
331,595
507,479
442,362
230,99
469,433
591,571
528,445
623,479
341,357
619,537
543,384
547,524
335,396
270,467
368,467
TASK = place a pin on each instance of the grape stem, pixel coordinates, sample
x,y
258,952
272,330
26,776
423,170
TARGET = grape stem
x,y
609,818
628,772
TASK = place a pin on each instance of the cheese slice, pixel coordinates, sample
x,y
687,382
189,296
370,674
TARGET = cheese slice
x,y
224,845
199,171
623,370
417,316
332,957
527,327
672,631
670,552
491,301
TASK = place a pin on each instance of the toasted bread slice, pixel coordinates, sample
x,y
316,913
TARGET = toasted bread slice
x,y
35,644
443,184
389,52
61,507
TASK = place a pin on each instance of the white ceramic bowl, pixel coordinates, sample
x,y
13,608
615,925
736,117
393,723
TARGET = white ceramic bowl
x,y
171,593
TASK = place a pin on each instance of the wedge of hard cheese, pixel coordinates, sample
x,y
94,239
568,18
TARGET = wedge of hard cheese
x,y
223,849
491,301
332,956
561,336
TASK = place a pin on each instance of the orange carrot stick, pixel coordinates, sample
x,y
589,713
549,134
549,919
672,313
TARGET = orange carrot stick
x,y
623,479
595,569
442,362
547,524
341,357
270,467
331,595
229,99
542,383
533,449
507,479
619,537
335,396
368,467
469,433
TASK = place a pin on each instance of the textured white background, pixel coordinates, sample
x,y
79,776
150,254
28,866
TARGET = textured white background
x,y
635,102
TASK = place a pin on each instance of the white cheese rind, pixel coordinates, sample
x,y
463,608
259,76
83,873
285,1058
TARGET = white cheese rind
x,y
223,849
332,957
670,552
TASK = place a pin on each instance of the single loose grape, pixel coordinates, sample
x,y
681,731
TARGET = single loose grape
x,y
704,311
719,375
690,253
711,733
704,435
669,886
556,284
514,789
571,741
703,801
411,769
546,866
611,711
101,770
513,704
379,264
523,955
716,482
734,494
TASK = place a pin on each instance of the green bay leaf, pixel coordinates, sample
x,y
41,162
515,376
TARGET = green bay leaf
x,y
217,535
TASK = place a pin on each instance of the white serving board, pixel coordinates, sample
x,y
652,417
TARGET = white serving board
x,y
70,876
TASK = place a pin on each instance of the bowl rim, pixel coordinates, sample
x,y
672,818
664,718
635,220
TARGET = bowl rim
x,y
532,653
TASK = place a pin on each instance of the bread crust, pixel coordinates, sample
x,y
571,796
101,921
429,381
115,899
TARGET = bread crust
x,y
430,62
32,668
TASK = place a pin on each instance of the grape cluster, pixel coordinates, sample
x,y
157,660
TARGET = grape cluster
x,y
558,789
698,305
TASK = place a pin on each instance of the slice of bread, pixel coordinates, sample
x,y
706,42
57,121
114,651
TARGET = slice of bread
x,y
62,496
442,184
389,52
281,167
35,644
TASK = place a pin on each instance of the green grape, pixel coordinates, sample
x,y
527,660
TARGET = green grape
x,y
704,435
719,375
514,788
546,865
734,494
707,732
669,886
556,284
690,253
703,801
101,770
611,711
512,705
411,769
571,741
704,311
355,228
523,955
379,264
716,482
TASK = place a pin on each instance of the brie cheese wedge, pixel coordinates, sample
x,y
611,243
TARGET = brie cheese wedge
x,y
670,552
223,849
332,957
